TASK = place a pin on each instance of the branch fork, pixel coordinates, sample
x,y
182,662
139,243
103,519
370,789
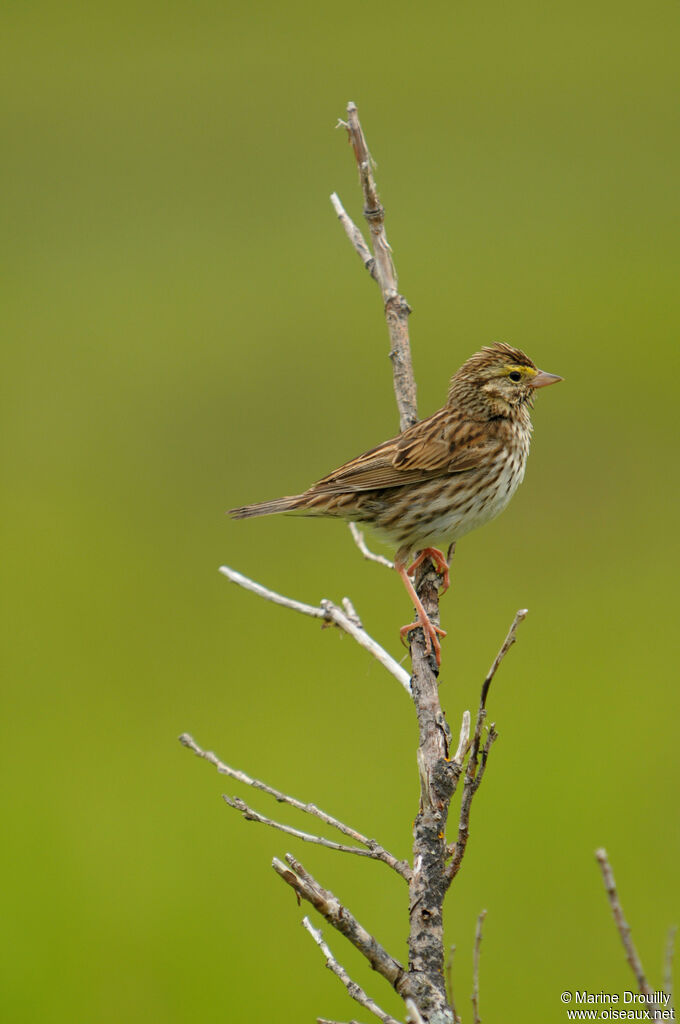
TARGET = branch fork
x,y
345,618
381,267
371,848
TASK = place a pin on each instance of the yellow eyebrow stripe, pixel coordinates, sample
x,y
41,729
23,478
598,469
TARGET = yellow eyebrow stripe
x,y
526,371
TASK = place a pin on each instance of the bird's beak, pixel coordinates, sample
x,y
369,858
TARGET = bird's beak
x,y
542,379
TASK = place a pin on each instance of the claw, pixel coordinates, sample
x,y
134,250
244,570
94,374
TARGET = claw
x,y
439,560
431,633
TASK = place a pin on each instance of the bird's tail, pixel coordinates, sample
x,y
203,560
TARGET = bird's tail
x,y
267,508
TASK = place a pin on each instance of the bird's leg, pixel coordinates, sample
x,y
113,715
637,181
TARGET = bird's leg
x,y
431,632
438,558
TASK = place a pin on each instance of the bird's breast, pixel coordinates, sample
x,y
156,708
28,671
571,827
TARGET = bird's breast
x,y
448,507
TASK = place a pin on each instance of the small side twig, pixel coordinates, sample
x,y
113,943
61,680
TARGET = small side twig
x,y
463,740
329,612
381,267
413,1013
307,837
505,647
353,232
358,538
376,851
449,984
351,612
477,761
668,963
374,211
621,923
329,906
354,990
325,1020
475,970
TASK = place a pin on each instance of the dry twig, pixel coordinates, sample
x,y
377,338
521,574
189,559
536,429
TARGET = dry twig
x,y
449,984
324,1020
373,849
668,963
463,740
353,232
475,970
353,989
621,923
658,1012
329,612
358,537
329,906
476,761
505,647
381,267
251,815
413,1013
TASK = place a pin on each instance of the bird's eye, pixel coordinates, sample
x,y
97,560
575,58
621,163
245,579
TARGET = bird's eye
x,y
515,376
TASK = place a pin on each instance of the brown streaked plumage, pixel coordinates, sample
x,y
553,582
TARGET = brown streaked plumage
x,y
444,476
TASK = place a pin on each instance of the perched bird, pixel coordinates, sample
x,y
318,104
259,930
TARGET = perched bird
x,y
441,478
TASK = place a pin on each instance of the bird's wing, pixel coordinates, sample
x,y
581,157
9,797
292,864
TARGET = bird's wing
x,y
433,447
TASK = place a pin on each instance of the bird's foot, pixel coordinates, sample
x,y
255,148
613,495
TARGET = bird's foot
x,y
430,630
438,558
431,633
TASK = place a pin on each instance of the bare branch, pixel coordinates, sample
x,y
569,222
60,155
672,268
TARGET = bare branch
x,y
505,647
353,232
476,763
354,990
473,778
374,211
449,984
251,815
329,612
622,925
475,971
340,618
337,915
351,612
324,1020
358,537
376,851
491,738
463,741
382,269
413,1013
272,595
668,963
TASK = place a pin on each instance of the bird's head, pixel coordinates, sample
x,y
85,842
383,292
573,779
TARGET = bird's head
x,y
497,382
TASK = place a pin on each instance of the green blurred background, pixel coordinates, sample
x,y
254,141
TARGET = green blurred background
x,y
187,329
